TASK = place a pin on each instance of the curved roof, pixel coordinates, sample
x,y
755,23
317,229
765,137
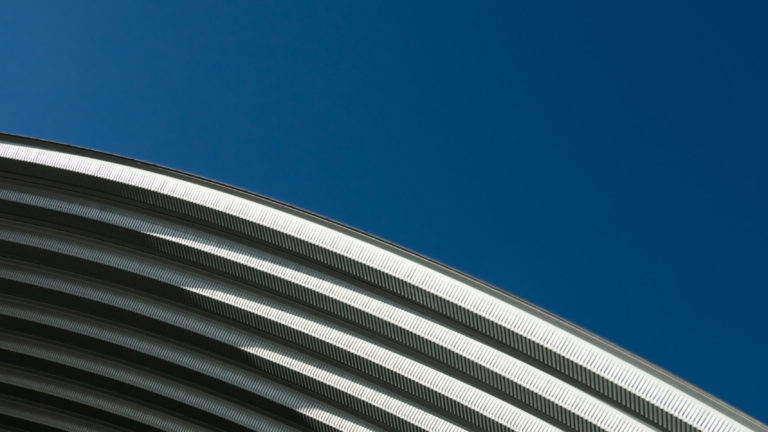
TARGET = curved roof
x,y
135,297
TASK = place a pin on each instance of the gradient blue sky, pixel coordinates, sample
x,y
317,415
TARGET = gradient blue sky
x,y
604,161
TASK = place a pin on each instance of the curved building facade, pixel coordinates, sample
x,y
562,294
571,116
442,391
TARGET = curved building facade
x,y
136,297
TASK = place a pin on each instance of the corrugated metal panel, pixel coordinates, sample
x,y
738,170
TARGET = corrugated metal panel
x,y
292,322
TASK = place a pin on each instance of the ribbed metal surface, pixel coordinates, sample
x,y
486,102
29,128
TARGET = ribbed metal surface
x,y
135,297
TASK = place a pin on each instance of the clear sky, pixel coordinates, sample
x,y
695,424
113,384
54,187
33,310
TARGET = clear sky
x,y
604,160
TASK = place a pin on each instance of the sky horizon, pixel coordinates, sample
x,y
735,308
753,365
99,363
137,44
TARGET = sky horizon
x,y
604,162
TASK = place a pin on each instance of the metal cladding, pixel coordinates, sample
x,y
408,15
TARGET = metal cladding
x,y
135,297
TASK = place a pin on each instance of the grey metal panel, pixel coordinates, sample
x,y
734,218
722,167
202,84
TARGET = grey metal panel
x,y
294,363
142,379
96,399
452,343
347,299
183,355
43,415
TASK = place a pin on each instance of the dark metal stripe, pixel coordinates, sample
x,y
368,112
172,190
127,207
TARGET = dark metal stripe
x,y
48,416
70,406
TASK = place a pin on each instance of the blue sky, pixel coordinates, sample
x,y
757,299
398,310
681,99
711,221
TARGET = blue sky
x,y
603,160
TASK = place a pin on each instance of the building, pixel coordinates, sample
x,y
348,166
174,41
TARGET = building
x,y
136,297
